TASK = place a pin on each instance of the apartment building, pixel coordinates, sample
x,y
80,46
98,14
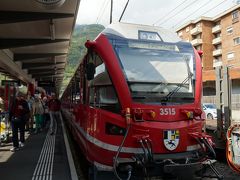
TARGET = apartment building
x,y
219,39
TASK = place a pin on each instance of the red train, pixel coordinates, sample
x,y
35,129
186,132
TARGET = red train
x,y
134,104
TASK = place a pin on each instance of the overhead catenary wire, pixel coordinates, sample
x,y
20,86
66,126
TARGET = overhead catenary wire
x,y
168,13
214,7
123,11
181,10
202,14
111,10
192,13
102,10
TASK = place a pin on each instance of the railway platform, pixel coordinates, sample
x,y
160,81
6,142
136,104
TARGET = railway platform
x,y
44,157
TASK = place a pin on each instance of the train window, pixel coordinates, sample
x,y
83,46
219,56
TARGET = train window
x,y
150,70
102,93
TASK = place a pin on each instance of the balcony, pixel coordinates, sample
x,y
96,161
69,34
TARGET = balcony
x,y
196,30
216,29
217,63
217,40
217,52
196,42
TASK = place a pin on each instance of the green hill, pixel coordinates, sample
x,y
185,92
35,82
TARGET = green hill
x,y
77,50
81,34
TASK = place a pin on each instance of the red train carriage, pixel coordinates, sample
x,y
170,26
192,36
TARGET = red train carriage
x,y
134,104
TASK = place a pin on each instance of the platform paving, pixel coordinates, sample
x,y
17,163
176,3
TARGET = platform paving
x,y
34,160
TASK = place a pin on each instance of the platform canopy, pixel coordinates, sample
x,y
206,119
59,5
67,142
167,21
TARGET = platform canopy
x,y
34,38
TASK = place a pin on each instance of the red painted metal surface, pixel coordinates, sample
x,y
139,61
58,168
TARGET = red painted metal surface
x,y
89,122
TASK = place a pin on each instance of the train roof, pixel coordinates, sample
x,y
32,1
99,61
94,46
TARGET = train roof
x,y
132,31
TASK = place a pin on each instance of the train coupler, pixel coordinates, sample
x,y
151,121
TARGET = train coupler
x,y
206,143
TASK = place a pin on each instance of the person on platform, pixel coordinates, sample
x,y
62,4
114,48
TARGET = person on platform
x,y
46,114
54,106
38,111
29,123
18,117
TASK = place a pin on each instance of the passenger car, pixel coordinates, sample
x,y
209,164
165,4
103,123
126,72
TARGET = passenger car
x,y
210,110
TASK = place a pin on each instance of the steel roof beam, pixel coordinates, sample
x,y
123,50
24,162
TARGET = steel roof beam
x,y
49,78
12,68
31,56
7,17
7,43
45,71
47,75
41,65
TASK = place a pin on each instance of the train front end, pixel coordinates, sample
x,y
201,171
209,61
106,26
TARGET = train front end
x,y
157,78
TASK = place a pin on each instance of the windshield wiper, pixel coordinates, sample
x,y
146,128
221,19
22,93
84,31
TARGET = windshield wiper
x,y
179,86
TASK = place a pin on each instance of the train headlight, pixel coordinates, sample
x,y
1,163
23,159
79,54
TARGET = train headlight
x,y
189,114
192,113
152,114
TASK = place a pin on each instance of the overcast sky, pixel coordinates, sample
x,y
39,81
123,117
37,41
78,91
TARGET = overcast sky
x,y
165,13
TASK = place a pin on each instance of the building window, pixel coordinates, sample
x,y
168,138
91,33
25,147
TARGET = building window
x,y
219,58
187,29
230,55
236,41
199,36
218,23
229,30
217,35
235,16
218,46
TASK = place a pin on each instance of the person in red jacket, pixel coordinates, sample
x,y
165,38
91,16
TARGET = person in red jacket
x,y
54,106
18,117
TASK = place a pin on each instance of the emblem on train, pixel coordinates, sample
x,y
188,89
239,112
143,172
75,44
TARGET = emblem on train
x,y
171,139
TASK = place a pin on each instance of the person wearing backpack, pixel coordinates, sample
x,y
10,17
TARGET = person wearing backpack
x,y
18,117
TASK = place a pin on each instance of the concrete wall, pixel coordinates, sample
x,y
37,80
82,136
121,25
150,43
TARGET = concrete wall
x,y
236,115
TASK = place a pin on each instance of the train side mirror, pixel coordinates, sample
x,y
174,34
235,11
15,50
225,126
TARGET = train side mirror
x,y
90,71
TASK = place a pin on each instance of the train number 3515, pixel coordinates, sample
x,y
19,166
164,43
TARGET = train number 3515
x,y
167,111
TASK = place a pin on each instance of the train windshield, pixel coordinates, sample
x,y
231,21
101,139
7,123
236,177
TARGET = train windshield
x,y
158,72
